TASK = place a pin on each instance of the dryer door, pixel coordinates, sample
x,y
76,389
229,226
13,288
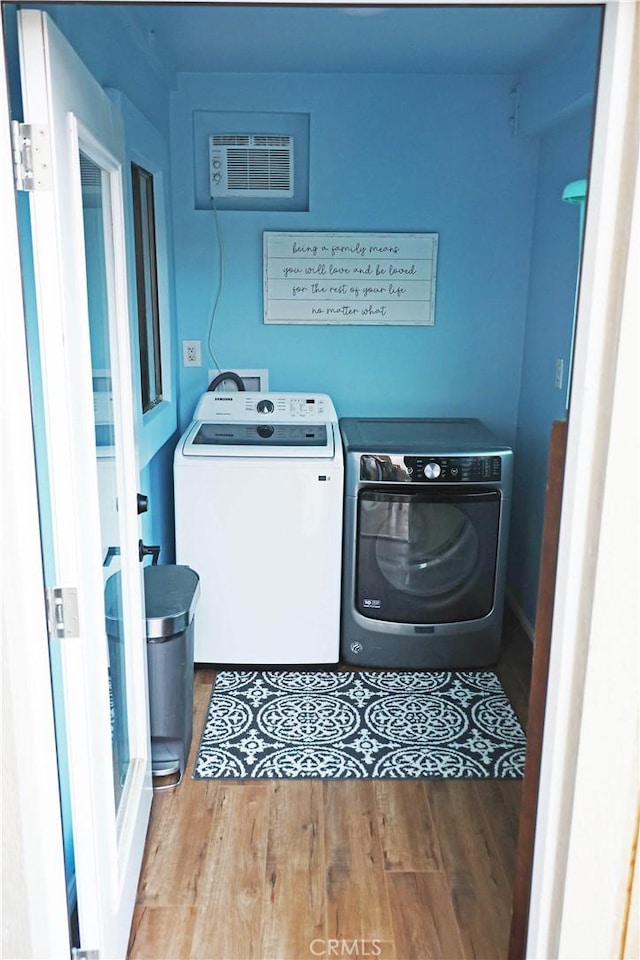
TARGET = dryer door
x,y
426,556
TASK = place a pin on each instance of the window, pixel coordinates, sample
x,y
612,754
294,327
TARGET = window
x,y
147,287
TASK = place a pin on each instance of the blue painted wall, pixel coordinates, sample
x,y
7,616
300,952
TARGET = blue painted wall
x,y
387,153
119,54
564,156
156,429
391,153
558,95
156,481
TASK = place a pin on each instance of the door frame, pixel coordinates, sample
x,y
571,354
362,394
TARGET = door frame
x,y
593,420
109,832
598,436
35,895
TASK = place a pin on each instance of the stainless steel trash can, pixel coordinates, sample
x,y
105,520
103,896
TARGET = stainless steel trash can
x,y
171,595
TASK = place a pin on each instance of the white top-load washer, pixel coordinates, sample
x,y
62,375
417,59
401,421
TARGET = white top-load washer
x,y
258,506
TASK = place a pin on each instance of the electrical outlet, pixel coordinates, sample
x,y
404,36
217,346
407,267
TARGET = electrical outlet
x,y
559,377
191,353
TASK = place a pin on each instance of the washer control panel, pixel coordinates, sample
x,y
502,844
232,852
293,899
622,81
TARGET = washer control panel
x,y
425,469
245,406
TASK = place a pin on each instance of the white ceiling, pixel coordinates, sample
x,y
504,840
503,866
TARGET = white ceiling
x,y
341,39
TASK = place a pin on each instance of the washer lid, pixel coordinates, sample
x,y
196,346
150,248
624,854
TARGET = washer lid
x,y
261,434
208,438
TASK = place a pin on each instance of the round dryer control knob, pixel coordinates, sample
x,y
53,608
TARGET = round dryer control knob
x,y
432,470
265,430
265,406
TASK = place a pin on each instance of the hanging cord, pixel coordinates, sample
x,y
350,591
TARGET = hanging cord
x,y
220,286
227,377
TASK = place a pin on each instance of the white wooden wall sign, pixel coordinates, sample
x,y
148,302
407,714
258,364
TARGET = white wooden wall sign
x,y
383,278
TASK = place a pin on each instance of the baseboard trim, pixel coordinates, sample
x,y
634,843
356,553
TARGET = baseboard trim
x,y
521,616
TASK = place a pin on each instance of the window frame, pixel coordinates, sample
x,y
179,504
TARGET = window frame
x,y
147,298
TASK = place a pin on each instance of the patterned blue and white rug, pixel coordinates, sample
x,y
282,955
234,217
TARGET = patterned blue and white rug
x,y
293,724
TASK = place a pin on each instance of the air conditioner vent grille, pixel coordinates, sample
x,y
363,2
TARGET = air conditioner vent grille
x,y
251,165
258,169
231,140
272,141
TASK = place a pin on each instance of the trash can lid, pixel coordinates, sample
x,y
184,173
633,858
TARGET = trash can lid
x,y
171,594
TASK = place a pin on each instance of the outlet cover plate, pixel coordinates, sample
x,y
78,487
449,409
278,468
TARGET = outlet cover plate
x,y
191,353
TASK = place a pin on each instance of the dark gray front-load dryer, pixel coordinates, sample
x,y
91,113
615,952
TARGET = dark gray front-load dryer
x,y
426,527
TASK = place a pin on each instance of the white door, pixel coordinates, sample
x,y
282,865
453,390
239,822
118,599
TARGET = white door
x,y
77,227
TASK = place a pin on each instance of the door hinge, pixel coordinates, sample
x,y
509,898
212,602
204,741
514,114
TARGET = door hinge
x,y
78,954
31,147
62,612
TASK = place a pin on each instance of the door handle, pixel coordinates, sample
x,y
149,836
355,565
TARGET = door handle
x,y
145,551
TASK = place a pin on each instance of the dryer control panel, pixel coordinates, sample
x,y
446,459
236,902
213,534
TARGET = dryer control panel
x,y
430,469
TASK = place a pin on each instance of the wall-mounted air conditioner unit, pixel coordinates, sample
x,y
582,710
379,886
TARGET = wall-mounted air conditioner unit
x,y
250,165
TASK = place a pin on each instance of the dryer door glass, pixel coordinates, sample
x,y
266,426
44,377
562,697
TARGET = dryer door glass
x,y
427,557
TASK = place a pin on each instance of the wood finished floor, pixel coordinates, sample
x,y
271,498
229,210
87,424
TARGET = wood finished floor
x,y
292,870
